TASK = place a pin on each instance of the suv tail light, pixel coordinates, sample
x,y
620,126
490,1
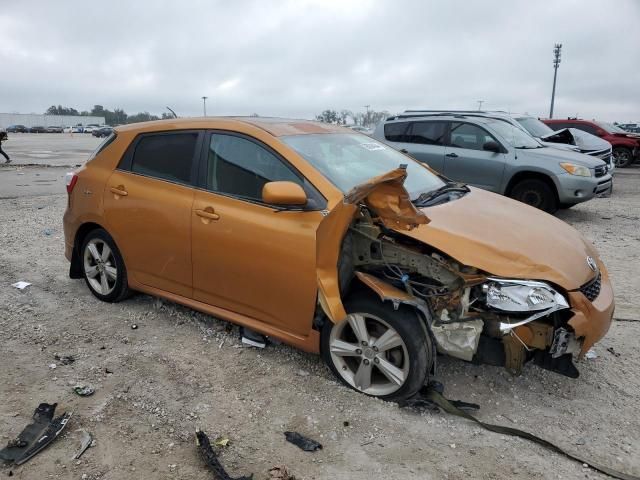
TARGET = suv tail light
x,y
71,179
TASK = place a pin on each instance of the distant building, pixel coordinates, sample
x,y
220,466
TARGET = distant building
x,y
33,120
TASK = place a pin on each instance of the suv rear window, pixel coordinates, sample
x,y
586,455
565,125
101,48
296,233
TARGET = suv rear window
x,y
396,132
167,156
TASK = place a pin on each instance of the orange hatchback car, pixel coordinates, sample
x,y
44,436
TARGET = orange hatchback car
x,y
335,243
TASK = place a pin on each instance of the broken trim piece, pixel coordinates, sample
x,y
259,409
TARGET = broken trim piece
x,y
211,459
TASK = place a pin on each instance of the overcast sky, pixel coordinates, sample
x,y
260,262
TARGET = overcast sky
x,y
296,58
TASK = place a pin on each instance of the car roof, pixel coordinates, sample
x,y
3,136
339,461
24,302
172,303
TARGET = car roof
x,y
275,126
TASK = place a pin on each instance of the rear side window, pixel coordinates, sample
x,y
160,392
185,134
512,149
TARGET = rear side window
x,y
427,133
396,132
240,167
166,156
586,127
561,125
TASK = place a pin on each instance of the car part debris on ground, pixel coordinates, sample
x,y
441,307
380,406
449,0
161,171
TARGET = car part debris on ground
x,y
65,359
302,442
86,441
252,338
280,472
613,352
211,459
84,390
21,285
35,436
432,394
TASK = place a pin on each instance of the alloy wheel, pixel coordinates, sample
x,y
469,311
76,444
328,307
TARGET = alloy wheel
x,y
100,266
369,354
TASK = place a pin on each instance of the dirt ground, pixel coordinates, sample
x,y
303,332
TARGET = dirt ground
x,y
180,370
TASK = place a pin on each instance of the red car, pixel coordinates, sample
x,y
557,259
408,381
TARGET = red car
x,y
626,146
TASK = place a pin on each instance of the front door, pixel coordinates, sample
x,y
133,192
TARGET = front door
x,y
466,161
249,257
147,205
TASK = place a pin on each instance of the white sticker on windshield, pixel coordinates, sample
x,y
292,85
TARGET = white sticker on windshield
x,y
372,146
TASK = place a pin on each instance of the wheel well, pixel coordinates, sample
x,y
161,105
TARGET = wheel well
x,y
76,264
520,176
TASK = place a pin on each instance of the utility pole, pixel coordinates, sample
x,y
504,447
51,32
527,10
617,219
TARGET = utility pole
x,y
480,102
204,105
557,49
367,118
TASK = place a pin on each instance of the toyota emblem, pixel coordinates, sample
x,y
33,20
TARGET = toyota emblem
x,y
592,264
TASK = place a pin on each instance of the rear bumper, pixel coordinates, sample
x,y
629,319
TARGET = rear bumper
x,y
591,320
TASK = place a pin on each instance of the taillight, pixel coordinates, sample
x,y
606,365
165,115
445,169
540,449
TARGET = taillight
x,y
71,179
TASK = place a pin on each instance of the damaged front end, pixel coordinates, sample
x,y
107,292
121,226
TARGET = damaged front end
x,y
469,314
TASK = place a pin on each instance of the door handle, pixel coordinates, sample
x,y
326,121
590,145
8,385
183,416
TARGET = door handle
x,y
452,155
404,150
119,190
208,213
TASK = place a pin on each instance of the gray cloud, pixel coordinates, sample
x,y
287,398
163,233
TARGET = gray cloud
x,y
295,58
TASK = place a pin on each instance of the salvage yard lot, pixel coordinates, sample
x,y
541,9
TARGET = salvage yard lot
x,y
179,370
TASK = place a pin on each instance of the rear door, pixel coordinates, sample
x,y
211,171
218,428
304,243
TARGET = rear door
x,y
250,257
466,161
147,204
423,140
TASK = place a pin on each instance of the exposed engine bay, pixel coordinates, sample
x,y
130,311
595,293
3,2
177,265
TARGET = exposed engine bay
x,y
469,314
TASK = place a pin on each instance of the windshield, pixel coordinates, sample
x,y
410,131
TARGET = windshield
x,y
535,127
516,137
347,160
609,127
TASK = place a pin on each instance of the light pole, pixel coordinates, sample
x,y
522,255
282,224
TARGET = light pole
x,y
204,105
480,102
557,49
367,118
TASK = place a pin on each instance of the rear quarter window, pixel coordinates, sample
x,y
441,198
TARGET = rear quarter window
x,y
104,144
396,132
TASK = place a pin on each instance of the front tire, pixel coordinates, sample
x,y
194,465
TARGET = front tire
x,y
535,193
103,267
377,350
622,157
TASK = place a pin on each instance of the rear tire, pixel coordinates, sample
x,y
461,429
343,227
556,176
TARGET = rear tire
x,y
378,351
535,193
103,267
622,157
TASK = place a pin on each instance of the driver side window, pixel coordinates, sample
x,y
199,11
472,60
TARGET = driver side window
x,y
471,137
239,167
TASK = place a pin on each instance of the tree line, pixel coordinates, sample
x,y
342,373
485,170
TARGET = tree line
x,y
365,119
113,117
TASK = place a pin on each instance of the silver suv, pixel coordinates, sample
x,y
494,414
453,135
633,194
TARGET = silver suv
x,y
494,155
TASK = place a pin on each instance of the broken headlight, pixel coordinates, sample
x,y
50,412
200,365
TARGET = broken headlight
x,y
522,296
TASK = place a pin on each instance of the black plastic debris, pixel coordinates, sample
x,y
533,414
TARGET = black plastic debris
x,y
211,459
613,352
65,359
35,436
134,326
302,442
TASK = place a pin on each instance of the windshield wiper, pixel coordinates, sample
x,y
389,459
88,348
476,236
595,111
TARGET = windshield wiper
x,y
426,198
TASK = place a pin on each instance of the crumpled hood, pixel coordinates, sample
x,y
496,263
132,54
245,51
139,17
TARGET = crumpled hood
x,y
507,238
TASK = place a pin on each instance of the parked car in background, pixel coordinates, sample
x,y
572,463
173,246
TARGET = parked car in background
x,y
361,129
566,139
37,129
629,127
626,146
102,132
365,256
54,129
88,129
497,156
17,129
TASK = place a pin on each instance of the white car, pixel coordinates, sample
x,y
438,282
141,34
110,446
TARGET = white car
x,y
88,129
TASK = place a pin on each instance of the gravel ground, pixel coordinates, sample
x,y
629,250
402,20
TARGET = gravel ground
x,y
181,369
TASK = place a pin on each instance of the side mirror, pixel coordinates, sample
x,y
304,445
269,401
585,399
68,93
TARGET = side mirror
x,y
283,193
491,146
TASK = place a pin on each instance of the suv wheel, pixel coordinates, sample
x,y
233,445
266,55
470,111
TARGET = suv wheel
x,y
622,157
103,267
377,350
536,193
